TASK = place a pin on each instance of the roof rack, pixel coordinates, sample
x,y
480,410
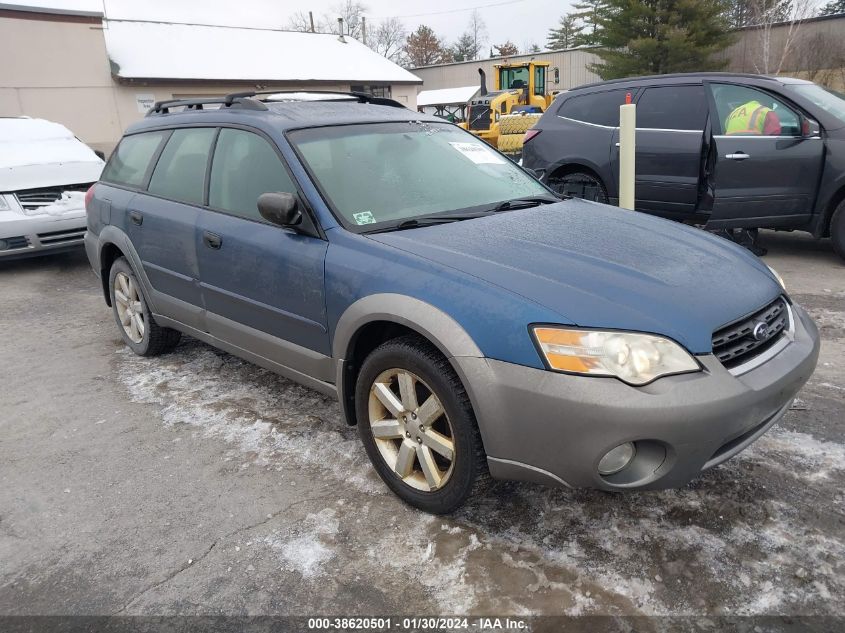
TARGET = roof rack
x,y
362,97
163,107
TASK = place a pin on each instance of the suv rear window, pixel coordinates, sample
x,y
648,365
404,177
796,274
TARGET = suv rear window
x,y
130,162
600,108
180,172
672,108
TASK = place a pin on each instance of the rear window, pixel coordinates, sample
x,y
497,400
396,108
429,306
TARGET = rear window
x,y
130,162
599,108
672,108
180,172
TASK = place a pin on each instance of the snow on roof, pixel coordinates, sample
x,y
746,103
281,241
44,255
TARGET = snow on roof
x,y
158,50
446,96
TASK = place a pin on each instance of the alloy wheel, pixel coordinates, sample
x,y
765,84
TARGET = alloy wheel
x,y
130,311
411,429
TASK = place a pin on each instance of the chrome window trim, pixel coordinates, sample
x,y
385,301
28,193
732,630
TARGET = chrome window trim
x,y
787,337
747,136
667,129
606,127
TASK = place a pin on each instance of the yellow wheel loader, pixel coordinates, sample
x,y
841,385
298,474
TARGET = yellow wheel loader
x,y
502,116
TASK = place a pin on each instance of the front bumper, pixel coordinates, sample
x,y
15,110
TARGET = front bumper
x,y
554,428
23,236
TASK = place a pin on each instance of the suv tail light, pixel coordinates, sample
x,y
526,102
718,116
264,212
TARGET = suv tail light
x,y
529,134
88,195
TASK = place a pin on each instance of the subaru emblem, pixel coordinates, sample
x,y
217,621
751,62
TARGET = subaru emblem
x,y
760,332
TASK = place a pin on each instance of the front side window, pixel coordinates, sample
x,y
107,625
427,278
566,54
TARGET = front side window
x,y
387,172
831,102
672,108
540,80
130,162
744,111
599,108
180,172
245,165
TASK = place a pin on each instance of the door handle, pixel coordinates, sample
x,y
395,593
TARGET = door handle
x,y
212,240
738,156
136,217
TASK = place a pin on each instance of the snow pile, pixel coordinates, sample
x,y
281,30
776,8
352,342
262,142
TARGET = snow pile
x,y
70,202
312,545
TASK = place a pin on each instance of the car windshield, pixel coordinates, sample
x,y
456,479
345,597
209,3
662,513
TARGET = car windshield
x,y
829,101
375,175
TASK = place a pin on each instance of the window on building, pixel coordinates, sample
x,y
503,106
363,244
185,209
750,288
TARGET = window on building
x,y
180,172
375,91
599,108
244,166
130,162
672,108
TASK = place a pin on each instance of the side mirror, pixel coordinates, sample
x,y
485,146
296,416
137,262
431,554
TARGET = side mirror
x,y
810,128
279,208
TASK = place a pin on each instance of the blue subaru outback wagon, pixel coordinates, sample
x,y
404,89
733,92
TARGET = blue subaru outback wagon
x,y
471,323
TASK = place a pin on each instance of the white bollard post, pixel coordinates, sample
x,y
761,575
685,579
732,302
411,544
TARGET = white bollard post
x,y
627,153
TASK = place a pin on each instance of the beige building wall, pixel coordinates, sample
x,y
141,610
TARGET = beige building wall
x,y
56,67
572,66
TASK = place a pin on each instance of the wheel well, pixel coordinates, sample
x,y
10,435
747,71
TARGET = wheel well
x,y
364,341
109,253
835,200
572,168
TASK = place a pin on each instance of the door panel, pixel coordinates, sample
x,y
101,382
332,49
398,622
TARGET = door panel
x,y
266,278
764,179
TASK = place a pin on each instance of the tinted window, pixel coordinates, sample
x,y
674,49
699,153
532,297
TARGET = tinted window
x,y
672,108
601,108
129,163
245,166
729,98
180,172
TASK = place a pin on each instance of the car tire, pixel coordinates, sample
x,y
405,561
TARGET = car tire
x,y
135,322
580,184
393,393
837,230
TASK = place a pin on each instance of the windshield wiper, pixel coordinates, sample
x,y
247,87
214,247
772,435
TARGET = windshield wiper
x,y
523,203
413,223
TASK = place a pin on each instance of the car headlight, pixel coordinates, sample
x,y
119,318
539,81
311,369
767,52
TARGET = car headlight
x,y
777,276
634,358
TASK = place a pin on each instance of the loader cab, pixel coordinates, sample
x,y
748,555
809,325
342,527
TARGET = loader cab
x,y
529,77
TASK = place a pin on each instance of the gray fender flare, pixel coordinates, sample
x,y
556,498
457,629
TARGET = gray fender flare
x,y
431,322
113,235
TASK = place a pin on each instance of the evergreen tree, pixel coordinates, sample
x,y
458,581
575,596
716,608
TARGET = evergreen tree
x,y
424,48
834,7
651,37
565,34
464,49
589,14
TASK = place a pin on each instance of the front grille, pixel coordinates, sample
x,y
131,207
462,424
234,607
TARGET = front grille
x,y
742,340
33,199
58,237
479,117
11,243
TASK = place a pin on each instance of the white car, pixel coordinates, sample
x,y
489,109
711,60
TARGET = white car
x,y
44,174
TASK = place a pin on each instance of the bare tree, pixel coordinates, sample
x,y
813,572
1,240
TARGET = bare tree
x,y
507,49
352,13
299,21
478,30
767,15
389,40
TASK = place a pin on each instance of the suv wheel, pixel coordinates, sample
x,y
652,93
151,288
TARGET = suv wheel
x,y
417,426
837,230
580,184
134,320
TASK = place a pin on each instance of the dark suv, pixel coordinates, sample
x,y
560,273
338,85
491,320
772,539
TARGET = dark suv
x,y
790,176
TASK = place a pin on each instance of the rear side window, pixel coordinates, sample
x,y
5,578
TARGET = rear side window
x,y
129,163
600,108
180,172
245,165
672,108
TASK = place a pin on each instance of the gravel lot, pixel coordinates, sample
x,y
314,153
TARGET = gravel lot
x,y
196,483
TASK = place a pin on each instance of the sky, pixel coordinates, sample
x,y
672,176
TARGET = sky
x,y
522,21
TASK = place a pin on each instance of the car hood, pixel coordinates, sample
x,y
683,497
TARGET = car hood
x,y
604,267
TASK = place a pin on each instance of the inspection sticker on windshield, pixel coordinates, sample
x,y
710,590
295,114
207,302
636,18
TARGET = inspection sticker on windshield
x,y
364,217
478,153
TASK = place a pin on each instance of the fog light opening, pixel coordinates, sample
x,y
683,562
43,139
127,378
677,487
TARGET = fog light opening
x,y
617,459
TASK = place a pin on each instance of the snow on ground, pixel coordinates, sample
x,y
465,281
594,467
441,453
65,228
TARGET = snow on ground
x,y
760,534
